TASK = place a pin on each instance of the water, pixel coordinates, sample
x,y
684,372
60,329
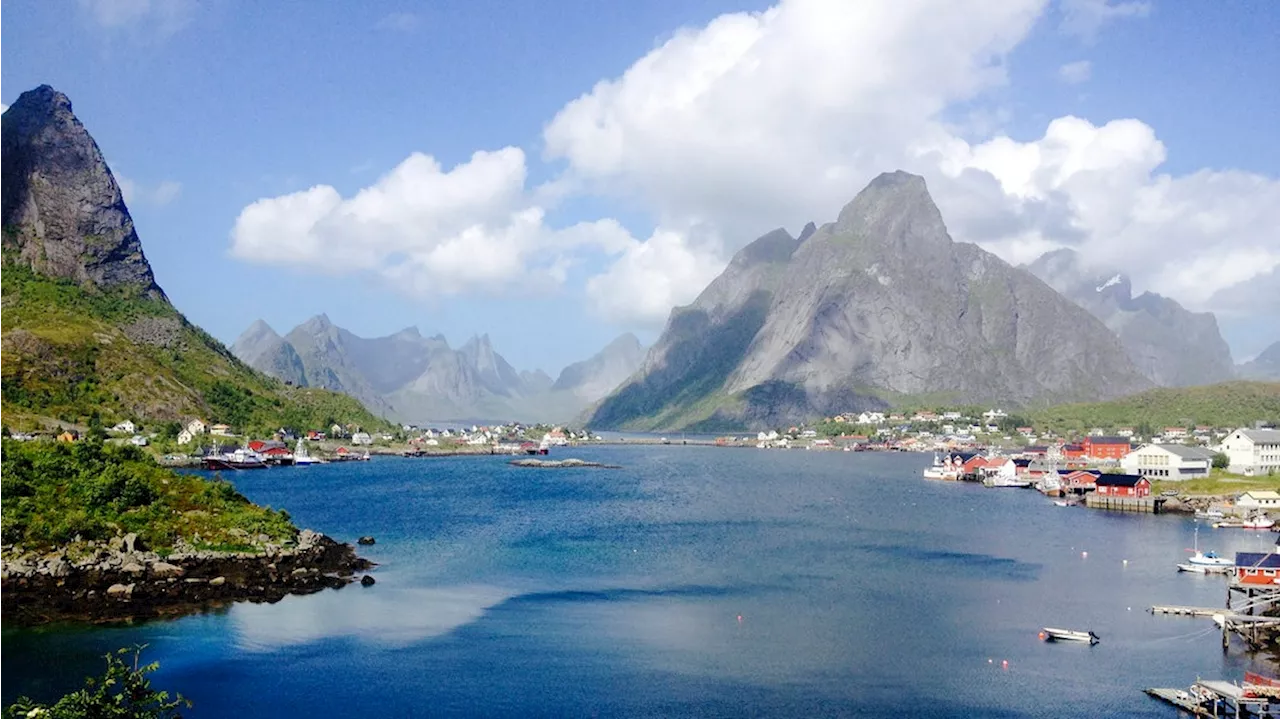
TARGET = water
x,y
694,581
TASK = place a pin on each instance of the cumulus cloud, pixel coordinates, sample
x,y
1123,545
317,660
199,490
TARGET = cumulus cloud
x,y
135,193
161,17
428,230
1074,73
652,276
1084,18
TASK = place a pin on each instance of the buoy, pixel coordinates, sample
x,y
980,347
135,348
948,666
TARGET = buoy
x,y
1084,555
739,618
1004,664
1041,636
1126,562
991,661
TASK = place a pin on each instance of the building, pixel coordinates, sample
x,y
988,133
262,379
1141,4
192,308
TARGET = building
x,y
197,426
1174,462
1259,499
1123,485
1079,481
126,427
1072,451
1252,451
1105,447
1257,568
69,435
138,440
220,430
185,437
361,438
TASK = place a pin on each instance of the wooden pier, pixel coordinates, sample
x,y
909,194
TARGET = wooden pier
x,y
1187,611
1209,698
1150,505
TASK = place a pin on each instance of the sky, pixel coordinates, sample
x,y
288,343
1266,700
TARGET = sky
x,y
556,173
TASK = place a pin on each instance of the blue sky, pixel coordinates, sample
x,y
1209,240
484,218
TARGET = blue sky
x,y
1142,133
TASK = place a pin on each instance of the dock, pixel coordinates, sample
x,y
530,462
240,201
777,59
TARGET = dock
x,y
1179,698
1216,698
1187,611
1149,505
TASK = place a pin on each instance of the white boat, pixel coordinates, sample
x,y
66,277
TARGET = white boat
x,y
1208,559
941,470
300,455
1061,503
1203,568
1067,635
1209,514
1258,521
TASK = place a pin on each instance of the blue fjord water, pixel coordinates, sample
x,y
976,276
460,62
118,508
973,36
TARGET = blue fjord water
x,y
694,581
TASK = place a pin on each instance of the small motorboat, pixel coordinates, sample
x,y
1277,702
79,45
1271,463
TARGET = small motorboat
x,y
1061,503
1050,634
1203,568
1259,521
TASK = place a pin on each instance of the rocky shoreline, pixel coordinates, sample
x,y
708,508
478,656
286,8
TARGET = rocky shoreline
x,y
560,463
120,579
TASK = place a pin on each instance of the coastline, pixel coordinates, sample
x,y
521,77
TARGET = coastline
x,y
121,580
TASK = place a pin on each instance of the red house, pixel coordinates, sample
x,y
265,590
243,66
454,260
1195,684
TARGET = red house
x,y
1123,485
1080,480
257,445
1257,569
1072,451
1105,447
973,465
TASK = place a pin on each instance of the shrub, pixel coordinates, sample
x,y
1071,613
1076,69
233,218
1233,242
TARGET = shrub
x,y
123,691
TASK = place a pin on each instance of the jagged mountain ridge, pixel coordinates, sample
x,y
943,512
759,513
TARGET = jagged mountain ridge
x,y
1266,366
877,305
421,379
1169,344
87,329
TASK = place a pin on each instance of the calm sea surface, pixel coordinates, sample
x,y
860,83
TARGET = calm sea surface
x,y
694,581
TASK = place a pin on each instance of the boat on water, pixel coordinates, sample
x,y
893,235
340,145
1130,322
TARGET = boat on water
x,y
1050,634
301,456
942,470
1050,485
1061,503
237,460
1203,568
1207,559
1258,521
1209,514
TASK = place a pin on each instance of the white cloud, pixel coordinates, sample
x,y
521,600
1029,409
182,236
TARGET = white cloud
x,y
1074,73
159,17
162,193
1084,18
427,230
653,276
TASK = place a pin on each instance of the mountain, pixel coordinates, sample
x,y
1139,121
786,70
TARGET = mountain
x,y
1265,366
1169,344
87,329
879,306
421,379
1227,404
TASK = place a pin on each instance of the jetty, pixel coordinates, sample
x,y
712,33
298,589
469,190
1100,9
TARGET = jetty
x,y
1217,698
1149,505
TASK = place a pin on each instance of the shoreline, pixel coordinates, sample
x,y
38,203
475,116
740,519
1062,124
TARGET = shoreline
x,y
120,580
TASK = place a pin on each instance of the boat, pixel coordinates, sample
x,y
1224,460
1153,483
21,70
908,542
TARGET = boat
x,y
1050,485
1005,482
1203,568
1258,521
239,459
301,456
1050,634
1209,514
941,470
1061,503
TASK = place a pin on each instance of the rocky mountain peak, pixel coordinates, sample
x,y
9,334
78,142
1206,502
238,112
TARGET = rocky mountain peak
x,y
895,210
807,232
63,213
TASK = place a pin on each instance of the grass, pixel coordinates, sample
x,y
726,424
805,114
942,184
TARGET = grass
x,y
1218,483
58,494
1228,404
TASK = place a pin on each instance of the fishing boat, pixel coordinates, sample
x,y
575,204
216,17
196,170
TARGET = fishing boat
x,y
941,470
1207,559
1209,514
1061,503
1006,482
1258,521
1050,634
1203,568
239,459
301,456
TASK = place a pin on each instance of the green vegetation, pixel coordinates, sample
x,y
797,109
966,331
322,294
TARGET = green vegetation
x,y
70,351
1230,404
57,493
122,692
1218,483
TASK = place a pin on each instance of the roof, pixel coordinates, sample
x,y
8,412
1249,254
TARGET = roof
x,y
1262,436
1186,452
1107,440
1258,560
1119,480
1263,494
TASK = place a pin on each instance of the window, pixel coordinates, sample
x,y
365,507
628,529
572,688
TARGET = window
x,y
1251,572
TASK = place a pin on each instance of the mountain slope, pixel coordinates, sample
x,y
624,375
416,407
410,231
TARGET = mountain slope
x,y
878,305
1169,344
86,328
1228,404
260,347
1266,366
594,378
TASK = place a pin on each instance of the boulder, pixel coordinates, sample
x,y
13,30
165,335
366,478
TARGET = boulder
x,y
134,543
164,569
120,591
133,568
367,580
366,540
217,581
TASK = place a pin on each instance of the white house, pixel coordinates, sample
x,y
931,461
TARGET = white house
x,y
994,414
1168,461
138,440
185,437
336,431
197,426
1258,500
221,430
1253,451
871,418
361,438
1001,468
125,426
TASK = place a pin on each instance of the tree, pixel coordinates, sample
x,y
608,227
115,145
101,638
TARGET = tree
x,y
123,692
1221,461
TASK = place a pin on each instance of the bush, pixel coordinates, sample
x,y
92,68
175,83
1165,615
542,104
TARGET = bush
x,y
1221,461
122,692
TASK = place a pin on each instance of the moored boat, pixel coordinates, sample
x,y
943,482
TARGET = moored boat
x,y
1258,521
239,459
1208,559
1051,634
302,457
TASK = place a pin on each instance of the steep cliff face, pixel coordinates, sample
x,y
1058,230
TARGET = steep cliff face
x,y
877,305
1169,344
63,213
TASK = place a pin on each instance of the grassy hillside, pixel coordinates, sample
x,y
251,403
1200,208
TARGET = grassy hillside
x,y
56,492
69,352
1229,404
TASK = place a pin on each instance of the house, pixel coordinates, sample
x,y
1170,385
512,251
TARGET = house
x,y
994,414
1252,451
257,445
197,426
138,440
1259,499
220,430
361,438
125,427
1105,447
1174,433
1000,468
336,431
1257,568
185,437
1123,485
314,435
1126,432
69,435
1078,481
1173,462
1072,451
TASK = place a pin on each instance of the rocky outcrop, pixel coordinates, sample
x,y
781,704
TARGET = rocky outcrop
x,y
878,305
1170,345
559,464
63,212
121,579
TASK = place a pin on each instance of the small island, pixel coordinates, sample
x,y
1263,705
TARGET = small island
x,y
99,532
560,463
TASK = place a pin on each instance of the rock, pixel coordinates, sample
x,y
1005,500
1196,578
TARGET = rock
x,y
133,568
133,543
164,569
299,572
559,464
120,591
217,581
366,540
367,580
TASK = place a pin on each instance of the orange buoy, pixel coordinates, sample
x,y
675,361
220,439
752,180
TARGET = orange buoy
x,y
1042,636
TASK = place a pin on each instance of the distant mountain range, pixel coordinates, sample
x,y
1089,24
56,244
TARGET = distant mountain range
x,y
1170,345
420,379
1266,366
877,306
